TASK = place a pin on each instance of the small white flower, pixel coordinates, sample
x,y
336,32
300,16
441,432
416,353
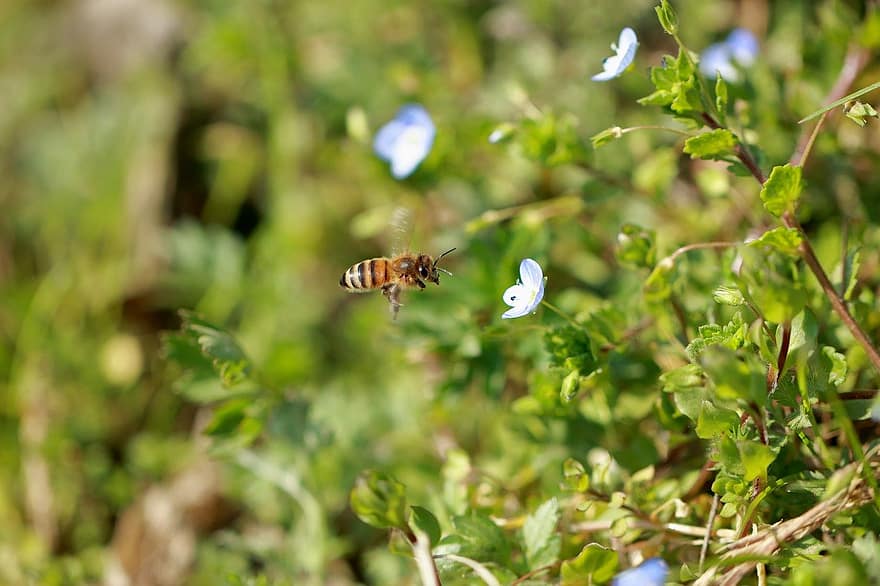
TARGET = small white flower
x,y
624,53
525,296
405,141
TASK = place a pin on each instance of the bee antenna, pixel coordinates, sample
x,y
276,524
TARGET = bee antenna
x,y
443,271
441,256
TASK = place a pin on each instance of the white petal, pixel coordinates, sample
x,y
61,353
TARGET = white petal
x,y
515,312
410,149
624,53
383,143
516,296
530,274
627,39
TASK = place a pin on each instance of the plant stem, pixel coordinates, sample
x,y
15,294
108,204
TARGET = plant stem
x,y
559,312
855,60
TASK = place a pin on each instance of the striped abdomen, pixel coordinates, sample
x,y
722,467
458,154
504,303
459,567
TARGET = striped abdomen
x,y
366,275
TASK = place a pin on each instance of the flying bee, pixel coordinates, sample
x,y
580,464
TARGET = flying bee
x,y
393,275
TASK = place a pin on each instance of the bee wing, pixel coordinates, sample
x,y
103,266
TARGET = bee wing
x,y
401,230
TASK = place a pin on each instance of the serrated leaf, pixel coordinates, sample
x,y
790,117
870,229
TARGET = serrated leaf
x,y
782,190
379,500
595,564
716,145
730,335
422,520
541,542
782,239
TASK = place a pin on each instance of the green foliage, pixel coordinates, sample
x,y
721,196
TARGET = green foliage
x,y
782,190
715,145
181,197
380,500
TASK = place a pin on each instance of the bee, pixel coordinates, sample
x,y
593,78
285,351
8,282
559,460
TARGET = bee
x,y
393,275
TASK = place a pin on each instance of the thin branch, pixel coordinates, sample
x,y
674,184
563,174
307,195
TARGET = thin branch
x,y
479,569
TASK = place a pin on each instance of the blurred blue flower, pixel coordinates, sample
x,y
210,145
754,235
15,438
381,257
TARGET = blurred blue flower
x,y
739,49
405,141
624,53
525,296
652,572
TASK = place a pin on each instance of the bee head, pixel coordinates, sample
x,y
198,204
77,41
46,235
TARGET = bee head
x,y
429,270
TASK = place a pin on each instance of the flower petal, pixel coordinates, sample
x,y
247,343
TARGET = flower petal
x,y
383,143
652,572
406,140
624,53
743,46
530,273
515,312
716,58
516,296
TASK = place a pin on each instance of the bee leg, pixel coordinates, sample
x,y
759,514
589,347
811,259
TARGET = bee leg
x,y
420,283
392,293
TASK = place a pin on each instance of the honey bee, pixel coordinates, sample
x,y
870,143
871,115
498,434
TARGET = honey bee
x,y
393,275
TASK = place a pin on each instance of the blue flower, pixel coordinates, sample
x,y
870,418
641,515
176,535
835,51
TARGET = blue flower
x,y
526,294
405,141
624,53
652,572
739,49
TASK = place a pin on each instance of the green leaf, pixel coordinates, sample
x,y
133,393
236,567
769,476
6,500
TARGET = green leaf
x,y
730,335
784,240
683,378
606,136
201,347
575,475
851,270
595,564
714,421
635,246
782,189
422,520
735,376
716,145
837,366
756,458
667,17
569,347
379,500
541,542
229,418
477,537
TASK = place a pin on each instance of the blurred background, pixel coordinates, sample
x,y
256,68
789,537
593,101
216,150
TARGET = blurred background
x,y
159,155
